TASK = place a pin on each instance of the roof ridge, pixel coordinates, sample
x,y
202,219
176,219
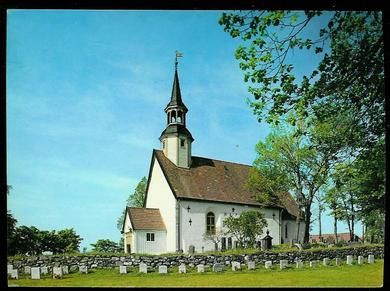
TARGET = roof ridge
x,y
143,208
241,164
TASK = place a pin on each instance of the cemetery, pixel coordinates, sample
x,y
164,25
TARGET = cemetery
x,y
182,266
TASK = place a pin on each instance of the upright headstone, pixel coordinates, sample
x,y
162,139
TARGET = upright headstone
x,y
57,273
191,249
14,274
236,266
268,264
283,264
35,273
9,268
251,265
143,268
65,270
312,264
182,268
44,270
83,269
337,261
218,267
299,264
122,270
200,268
349,260
163,269
371,259
325,261
27,270
360,260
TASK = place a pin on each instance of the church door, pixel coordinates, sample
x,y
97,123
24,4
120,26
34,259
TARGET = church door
x,y
224,243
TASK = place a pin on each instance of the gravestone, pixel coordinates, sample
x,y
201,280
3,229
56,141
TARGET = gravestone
x,y
360,260
182,268
191,249
122,270
163,269
65,270
83,269
283,264
268,264
349,260
27,270
337,261
299,264
57,273
236,266
143,268
35,273
14,274
251,265
9,269
370,259
217,267
200,268
325,261
313,263
44,270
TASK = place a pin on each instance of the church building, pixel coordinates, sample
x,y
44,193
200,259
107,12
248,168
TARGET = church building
x,y
188,197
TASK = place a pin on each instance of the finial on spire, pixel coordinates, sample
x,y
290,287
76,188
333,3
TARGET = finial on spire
x,y
178,55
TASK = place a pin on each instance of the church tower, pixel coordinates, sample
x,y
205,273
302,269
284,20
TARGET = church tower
x,y
176,139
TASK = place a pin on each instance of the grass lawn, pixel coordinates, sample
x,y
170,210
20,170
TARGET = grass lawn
x,y
367,275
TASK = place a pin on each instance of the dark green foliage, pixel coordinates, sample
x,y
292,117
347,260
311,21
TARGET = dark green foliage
x,y
106,246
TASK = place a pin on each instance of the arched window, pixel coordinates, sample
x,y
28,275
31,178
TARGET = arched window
x,y
173,116
210,223
179,116
285,230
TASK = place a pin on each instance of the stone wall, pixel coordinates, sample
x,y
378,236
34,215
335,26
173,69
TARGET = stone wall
x,y
102,261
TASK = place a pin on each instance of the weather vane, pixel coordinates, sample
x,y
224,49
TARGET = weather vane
x,y
178,55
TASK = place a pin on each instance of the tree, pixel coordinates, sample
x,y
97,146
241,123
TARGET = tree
x,y
246,228
69,241
105,246
136,199
215,237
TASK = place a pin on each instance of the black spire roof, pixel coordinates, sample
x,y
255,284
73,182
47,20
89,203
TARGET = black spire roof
x,y
176,94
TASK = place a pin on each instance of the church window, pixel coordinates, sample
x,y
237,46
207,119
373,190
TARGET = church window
x,y
163,144
182,142
285,230
210,223
179,116
150,236
173,116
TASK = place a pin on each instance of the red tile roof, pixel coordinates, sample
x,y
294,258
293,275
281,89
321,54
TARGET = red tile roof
x,y
146,218
214,180
341,236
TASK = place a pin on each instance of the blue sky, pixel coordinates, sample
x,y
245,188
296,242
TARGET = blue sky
x,y
85,97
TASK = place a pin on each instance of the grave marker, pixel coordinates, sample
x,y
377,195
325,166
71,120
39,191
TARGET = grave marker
x,y
370,259
143,268
163,269
14,274
44,270
360,260
9,269
217,267
283,264
65,270
83,269
313,264
251,265
182,269
122,270
325,261
268,264
349,260
27,270
35,273
236,266
299,264
200,268
337,261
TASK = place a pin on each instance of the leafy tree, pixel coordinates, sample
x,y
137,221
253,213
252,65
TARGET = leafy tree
x,y
136,199
246,228
69,241
214,237
106,246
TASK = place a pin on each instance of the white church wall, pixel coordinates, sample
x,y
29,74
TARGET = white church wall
x,y
183,152
157,246
193,234
126,230
160,196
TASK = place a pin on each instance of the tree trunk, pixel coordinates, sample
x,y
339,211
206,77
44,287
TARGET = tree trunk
x,y
335,230
307,225
319,221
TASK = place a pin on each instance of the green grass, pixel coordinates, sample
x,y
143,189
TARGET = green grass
x,y
331,276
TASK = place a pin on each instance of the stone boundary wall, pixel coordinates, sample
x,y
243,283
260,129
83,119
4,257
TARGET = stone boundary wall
x,y
103,261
